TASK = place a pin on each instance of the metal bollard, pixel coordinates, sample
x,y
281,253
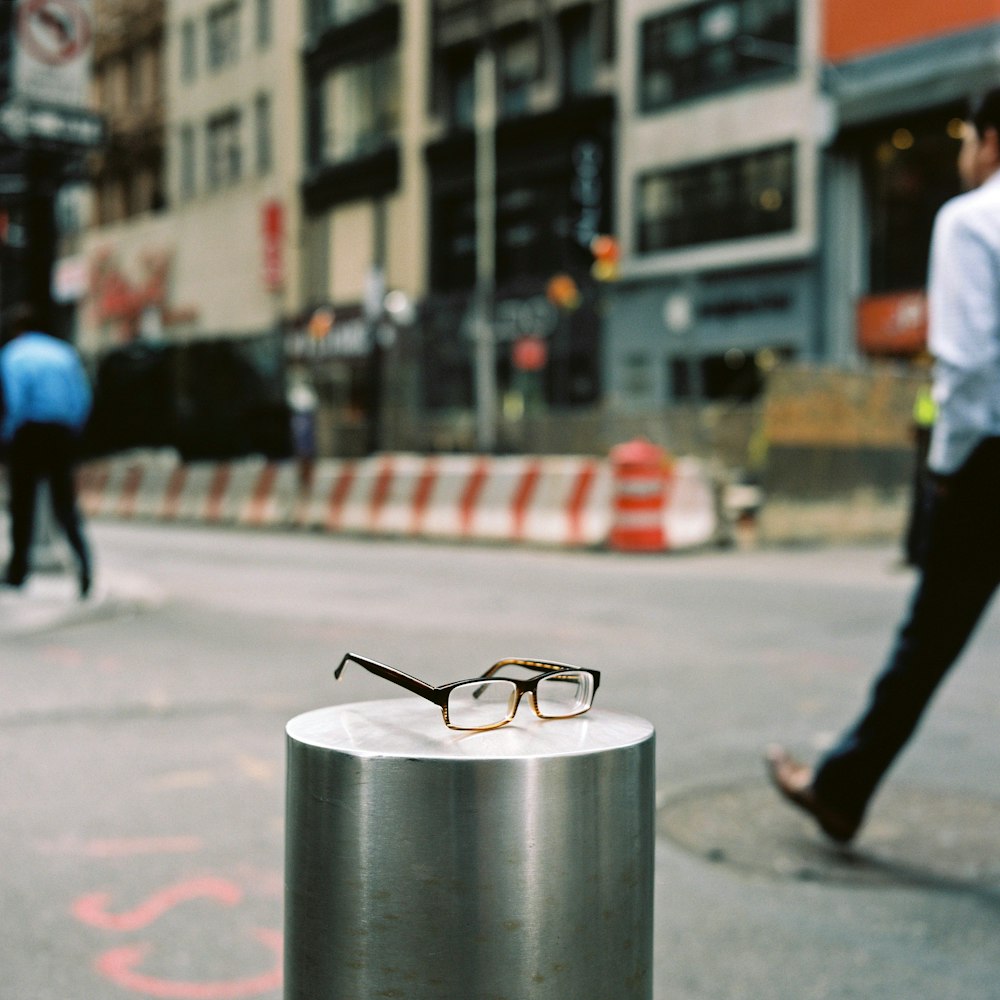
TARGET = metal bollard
x,y
427,864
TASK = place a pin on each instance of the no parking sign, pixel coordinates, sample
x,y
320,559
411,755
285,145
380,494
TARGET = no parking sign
x,y
53,51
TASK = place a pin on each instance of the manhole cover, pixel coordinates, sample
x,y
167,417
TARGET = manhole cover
x,y
915,837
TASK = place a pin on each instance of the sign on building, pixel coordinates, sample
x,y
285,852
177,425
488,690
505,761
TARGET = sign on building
x,y
52,51
53,46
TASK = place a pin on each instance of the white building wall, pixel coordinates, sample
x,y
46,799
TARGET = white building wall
x,y
714,126
675,310
212,240
353,226
220,239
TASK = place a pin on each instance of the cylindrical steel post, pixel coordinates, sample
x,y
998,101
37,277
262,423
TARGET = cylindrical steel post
x,y
425,864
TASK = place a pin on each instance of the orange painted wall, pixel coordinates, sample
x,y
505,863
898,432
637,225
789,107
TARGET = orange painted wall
x,y
857,27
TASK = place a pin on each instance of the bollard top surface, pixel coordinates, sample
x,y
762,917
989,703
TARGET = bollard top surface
x,y
412,728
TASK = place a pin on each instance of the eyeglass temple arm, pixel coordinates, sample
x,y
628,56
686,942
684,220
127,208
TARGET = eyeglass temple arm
x,y
515,661
388,673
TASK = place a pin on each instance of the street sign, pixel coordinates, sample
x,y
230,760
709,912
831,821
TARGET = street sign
x,y
26,122
53,51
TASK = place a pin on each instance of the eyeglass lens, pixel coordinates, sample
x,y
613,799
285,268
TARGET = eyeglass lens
x,y
480,704
564,694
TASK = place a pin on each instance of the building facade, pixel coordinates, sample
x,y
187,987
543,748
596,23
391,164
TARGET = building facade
x,y
781,165
319,173
723,121
899,88
550,157
210,248
363,216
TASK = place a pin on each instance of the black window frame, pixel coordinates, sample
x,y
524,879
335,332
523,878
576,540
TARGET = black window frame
x,y
222,35
189,50
750,52
264,28
228,126
383,70
263,115
718,202
187,154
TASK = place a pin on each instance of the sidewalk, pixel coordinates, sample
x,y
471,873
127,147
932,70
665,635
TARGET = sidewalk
x,y
50,600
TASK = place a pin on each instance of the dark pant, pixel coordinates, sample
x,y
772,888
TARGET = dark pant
x,y
42,453
960,573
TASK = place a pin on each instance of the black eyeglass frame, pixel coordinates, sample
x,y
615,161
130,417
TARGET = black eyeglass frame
x,y
438,694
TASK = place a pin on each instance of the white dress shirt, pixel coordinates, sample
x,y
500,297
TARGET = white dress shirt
x,y
964,324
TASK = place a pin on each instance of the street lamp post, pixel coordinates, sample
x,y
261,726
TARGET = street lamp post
x,y
485,340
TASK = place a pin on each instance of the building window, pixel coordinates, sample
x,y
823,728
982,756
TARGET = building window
x,y
910,170
729,199
715,45
459,87
326,13
189,51
223,150
262,133
223,35
359,109
263,23
737,375
518,65
576,30
188,174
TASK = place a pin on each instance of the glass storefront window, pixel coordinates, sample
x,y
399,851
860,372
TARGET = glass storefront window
x,y
911,171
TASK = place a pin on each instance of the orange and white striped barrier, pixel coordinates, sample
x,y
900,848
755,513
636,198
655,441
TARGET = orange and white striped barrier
x,y
548,500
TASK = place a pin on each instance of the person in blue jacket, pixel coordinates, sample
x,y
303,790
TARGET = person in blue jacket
x,y
46,400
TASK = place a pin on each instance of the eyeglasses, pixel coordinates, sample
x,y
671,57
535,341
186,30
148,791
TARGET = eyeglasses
x,y
560,691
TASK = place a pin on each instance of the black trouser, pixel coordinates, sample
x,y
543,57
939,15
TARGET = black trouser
x,y
42,453
960,573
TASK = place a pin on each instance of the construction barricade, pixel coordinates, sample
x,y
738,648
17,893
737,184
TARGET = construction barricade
x,y
643,474
555,500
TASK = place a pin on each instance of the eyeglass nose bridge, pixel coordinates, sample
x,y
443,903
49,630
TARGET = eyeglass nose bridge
x,y
515,703
512,707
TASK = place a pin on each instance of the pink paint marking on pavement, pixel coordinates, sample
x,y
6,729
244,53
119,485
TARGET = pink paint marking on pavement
x,y
92,909
120,965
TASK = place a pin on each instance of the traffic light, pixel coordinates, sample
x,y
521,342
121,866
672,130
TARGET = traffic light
x,y
606,255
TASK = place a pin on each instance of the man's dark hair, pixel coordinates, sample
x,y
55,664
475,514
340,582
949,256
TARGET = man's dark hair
x,y
984,111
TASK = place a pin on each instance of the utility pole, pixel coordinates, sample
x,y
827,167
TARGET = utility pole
x,y
485,339
374,317
45,123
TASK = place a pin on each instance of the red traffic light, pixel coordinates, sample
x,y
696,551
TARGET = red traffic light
x,y
606,256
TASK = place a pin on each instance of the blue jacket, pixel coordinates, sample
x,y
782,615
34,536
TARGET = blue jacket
x,y
43,381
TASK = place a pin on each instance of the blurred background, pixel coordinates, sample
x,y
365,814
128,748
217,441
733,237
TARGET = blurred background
x,y
499,225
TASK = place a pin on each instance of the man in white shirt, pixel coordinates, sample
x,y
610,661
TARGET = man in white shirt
x,y
962,563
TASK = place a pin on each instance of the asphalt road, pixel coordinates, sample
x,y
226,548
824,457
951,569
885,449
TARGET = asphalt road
x,y
142,734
